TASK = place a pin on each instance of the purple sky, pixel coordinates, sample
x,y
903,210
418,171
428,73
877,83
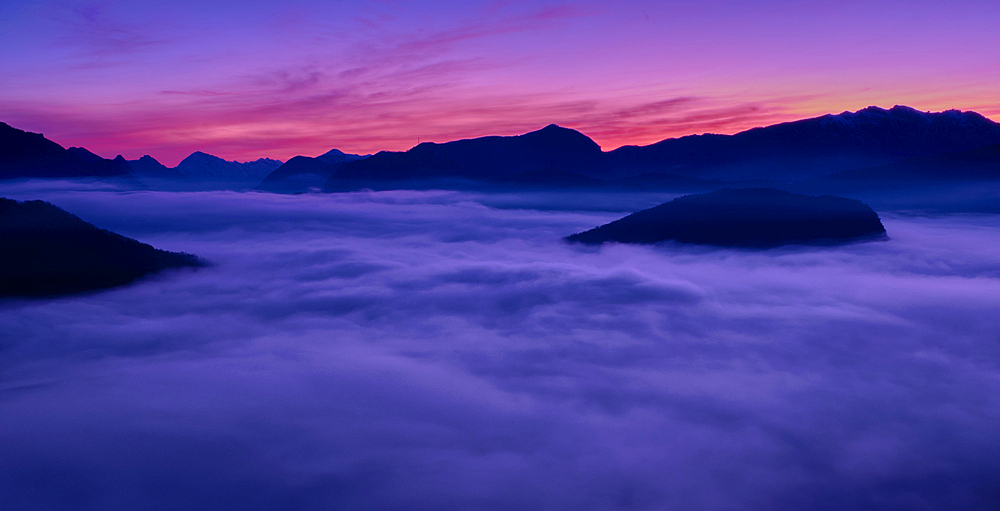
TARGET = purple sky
x,y
250,79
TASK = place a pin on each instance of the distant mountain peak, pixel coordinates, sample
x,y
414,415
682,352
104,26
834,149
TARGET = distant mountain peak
x,y
479,159
901,110
263,160
876,117
84,154
200,156
553,133
147,166
201,165
336,157
553,129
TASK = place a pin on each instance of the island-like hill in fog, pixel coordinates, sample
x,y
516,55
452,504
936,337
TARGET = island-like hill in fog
x,y
47,251
30,155
792,151
749,217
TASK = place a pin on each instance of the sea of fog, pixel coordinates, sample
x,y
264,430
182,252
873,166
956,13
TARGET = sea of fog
x,y
447,351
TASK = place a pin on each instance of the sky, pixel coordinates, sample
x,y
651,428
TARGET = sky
x,y
448,351
244,80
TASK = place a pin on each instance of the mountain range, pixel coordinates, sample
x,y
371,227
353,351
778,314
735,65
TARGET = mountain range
x,y
792,151
24,154
303,173
900,145
980,164
202,170
812,148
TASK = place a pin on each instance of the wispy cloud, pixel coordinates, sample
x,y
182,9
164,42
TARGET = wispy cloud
x,y
277,124
100,38
377,79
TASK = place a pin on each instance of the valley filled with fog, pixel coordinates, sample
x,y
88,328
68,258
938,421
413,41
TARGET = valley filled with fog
x,y
448,350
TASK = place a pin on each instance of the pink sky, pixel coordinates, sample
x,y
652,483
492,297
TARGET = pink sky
x,y
273,79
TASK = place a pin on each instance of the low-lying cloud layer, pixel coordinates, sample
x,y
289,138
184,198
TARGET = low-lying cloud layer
x,y
423,350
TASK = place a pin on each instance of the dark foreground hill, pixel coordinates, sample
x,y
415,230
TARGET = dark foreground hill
x,y
30,155
47,251
750,217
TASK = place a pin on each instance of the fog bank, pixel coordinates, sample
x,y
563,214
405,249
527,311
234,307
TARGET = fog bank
x,y
441,350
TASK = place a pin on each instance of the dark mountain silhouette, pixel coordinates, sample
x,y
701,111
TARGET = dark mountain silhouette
x,y
549,178
201,165
336,156
298,174
480,159
31,155
84,155
147,166
202,171
792,151
749,217
660,181
966,181
812,147
553,156
302,173
47,251
982,164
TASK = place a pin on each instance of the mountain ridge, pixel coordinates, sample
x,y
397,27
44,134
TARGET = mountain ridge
x,y
24,154
791,151
493,156
822,145
303,173
794,151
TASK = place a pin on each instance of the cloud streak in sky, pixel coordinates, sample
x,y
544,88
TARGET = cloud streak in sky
x,y
427,350
280,124
300,78
99,38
